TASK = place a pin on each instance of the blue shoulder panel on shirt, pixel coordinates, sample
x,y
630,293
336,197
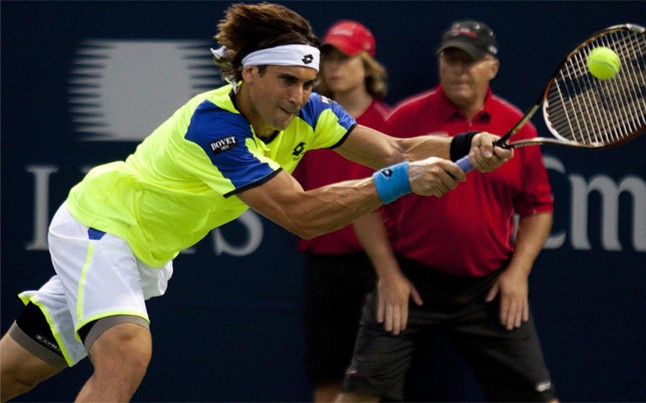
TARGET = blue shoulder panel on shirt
x,y
317,104
222,135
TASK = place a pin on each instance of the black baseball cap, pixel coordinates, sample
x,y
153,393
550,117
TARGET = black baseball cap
x,y
474,37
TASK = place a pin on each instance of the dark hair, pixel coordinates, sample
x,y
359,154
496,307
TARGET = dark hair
x,y
246,28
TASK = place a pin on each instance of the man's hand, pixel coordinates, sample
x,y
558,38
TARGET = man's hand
x,y
393,293
514,307
434,176
484,156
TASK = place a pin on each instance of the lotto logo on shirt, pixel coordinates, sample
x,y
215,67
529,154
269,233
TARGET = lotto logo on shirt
x,y
223,144
325,100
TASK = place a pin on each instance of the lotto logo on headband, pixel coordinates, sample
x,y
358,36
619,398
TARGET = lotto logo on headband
x,y
308,59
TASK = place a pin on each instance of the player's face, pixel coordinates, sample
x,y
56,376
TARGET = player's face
x,y
276,95
341,72
464,79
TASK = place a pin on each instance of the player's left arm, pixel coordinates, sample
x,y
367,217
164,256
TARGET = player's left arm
x,y
376,150
512,285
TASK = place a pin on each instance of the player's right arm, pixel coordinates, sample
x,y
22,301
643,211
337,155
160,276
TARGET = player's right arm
x,y
314,212
318,211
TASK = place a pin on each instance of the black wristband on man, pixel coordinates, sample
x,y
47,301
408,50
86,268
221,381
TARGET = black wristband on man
x,y
461,145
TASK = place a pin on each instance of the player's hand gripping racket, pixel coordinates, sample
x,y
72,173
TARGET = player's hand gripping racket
x,y
581,110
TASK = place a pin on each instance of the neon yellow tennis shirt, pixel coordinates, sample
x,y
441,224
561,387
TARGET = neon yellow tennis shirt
x,y
182,180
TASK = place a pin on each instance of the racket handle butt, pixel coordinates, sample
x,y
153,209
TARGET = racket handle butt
x,y
465,164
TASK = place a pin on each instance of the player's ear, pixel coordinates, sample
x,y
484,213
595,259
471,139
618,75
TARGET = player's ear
x,y
247,74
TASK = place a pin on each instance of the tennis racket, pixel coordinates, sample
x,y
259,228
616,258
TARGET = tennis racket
x,y
583,111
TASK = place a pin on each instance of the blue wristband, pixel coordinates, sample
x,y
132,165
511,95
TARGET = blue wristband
x,y
392,182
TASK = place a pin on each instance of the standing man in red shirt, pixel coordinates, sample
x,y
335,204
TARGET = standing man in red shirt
x,y
457,257
339,273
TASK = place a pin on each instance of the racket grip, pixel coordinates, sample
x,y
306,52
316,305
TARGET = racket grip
x,y
465,164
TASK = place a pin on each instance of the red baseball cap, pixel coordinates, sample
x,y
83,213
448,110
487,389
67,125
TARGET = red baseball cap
x,y
351,38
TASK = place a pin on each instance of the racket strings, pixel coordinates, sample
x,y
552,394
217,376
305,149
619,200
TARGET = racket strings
x,y
626,95
632,53
589,111
586,109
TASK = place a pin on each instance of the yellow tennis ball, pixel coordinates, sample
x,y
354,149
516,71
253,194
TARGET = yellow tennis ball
x,y
603,63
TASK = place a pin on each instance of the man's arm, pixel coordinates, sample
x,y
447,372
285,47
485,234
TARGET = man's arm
x,y
318,211
325,209
376,150
512,284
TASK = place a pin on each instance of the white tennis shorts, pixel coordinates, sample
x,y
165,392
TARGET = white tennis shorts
x,y
97,276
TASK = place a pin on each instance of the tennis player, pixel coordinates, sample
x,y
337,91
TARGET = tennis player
x,y
112,242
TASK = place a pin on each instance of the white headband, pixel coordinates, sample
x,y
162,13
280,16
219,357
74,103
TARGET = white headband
x,y
285,55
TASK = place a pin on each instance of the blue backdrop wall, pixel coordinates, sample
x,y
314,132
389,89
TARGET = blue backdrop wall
x,y
83,82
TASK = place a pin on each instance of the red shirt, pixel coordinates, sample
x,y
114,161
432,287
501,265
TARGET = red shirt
x,y
469,230
323,167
